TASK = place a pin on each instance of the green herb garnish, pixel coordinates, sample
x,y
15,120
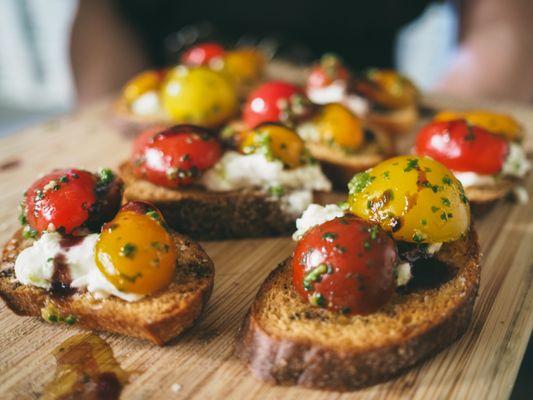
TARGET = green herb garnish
x,y
128,250
359,182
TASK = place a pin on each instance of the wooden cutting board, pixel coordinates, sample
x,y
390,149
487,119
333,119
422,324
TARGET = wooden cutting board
x,y
200,364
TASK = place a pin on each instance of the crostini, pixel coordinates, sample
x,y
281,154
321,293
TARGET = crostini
x,y
387,100
373,287
207,192
81,261
483,151
334,135
203,89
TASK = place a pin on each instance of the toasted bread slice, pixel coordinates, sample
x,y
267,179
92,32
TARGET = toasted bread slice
x,y
284,340
394,122
158,317
207,215
130,124
340,167
483,197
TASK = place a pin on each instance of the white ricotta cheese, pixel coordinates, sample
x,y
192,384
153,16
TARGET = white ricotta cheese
x,y
404,274
337,92
147,104
315,215
472,179
34,266
516,164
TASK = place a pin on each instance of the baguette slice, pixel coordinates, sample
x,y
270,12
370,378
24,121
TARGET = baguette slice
x,y
394,122
483,197
207,215
286,341
157,318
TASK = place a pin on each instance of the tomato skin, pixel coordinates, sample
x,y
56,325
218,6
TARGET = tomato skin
x,y
265,104
357,260
329,69
70,199
174,156
202,54
462,147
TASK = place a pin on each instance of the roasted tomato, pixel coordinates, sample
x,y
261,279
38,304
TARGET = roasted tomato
x,y
417,199
275,101
386,88
135,251
346,265
174,156
463,147
142,83
329,70
276,141
338,126
202,54
198,95
500,124
69,200
244,65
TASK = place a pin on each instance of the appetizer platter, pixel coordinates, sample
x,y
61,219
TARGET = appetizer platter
x,y
390,286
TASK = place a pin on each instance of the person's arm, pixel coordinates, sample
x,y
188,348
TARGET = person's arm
x,y
495,55
104,51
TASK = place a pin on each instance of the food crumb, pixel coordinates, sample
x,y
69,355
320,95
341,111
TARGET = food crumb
x,y
176,387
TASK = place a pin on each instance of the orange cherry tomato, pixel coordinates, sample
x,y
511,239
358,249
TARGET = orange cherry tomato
x,y
135,252
174,156
386,88
346,265
142,83
339,126
69,199
275,141
463,147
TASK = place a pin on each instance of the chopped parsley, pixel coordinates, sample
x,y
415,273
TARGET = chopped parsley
x,y
106,176
359,182
445,201
446,180
418,237
314,275
317,299
276,190
329,236
412,163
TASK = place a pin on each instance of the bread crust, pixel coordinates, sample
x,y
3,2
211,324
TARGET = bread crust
x,y
394,122
158,317
206,215
282,357
483,198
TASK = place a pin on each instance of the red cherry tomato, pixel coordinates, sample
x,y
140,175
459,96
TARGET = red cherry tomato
x,y
462,147
326,72
202,54
270,102
69,199
174,156
345,265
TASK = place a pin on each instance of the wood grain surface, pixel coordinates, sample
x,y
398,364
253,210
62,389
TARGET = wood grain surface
x,y
200,364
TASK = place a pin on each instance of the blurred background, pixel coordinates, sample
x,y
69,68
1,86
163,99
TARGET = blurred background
x,y
56,54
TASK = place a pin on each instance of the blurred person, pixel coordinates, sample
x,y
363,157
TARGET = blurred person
x,y
493,57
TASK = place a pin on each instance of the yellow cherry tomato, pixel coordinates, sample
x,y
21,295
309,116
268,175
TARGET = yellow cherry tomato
x,y
136,253
140,84
339,126
499,124
198,95
276,142
243,65
417,199
387,88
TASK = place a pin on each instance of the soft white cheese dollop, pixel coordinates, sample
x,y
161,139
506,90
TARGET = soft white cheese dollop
x,y
337,92
315,215
239,171
516,165
34,266
147,104
404,274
